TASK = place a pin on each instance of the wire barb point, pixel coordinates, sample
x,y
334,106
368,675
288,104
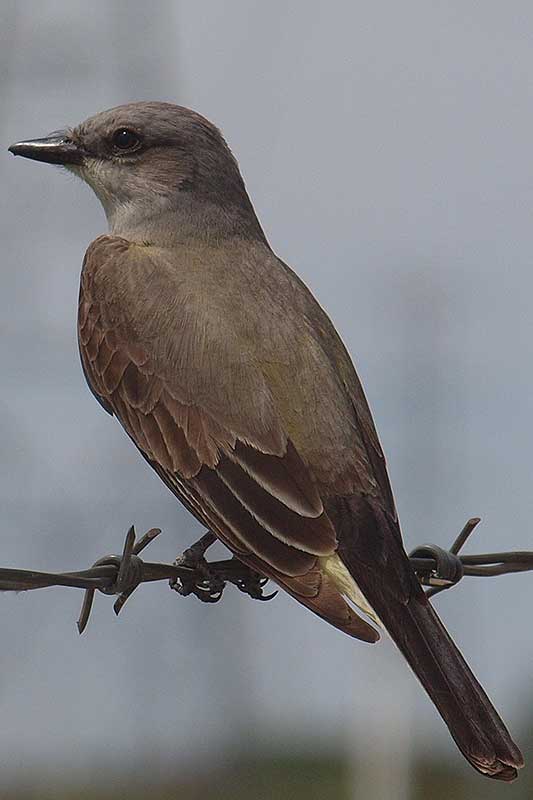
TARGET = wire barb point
x,y
120,575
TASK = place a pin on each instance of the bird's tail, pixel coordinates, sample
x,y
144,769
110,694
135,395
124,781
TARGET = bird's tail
x,y
473,721
372,552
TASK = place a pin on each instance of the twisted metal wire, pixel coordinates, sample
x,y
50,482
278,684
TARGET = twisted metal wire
x,y
435,567
441,569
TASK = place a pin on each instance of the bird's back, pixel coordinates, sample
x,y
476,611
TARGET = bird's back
x,y
244,338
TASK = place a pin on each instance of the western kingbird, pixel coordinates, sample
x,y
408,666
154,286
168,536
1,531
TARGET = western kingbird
x,y
235,386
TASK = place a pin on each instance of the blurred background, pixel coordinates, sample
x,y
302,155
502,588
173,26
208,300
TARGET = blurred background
x,y
387,148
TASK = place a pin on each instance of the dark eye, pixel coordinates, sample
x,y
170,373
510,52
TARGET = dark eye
x,y
124,139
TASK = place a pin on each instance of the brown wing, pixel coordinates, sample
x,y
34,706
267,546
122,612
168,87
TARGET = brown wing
x,y
147,359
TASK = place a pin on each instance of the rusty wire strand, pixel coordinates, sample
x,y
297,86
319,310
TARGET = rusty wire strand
x,y
435,567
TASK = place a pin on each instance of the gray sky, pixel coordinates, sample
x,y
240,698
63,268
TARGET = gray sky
x,y
388,150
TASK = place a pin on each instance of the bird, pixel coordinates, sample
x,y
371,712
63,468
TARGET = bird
x,y
233,383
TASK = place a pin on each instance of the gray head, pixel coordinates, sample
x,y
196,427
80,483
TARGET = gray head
x,y
158,169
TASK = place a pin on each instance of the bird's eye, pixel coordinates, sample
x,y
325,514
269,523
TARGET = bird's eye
x,y
124,139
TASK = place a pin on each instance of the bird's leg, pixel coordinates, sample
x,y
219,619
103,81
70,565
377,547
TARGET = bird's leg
x,y
208,579
195,554
203,582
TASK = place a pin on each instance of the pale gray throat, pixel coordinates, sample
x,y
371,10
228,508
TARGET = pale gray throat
x,y
150,214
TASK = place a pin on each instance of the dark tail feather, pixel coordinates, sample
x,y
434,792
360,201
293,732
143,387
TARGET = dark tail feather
x,y
371,548
471,718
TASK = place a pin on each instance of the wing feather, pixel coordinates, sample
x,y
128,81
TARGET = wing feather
x,y
234,468
275,475
312,534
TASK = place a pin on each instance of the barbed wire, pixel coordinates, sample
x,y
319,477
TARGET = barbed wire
x,y
435,567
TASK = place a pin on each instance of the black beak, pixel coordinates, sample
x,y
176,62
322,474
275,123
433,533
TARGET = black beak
x,y
56,148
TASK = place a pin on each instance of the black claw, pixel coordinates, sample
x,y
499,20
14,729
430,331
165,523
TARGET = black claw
x,y
207,586
265,597
208,580
252,584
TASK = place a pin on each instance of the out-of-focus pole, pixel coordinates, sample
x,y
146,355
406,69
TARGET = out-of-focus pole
x,y
382,726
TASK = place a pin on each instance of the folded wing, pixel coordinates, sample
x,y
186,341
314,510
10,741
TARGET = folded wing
x,y
236,470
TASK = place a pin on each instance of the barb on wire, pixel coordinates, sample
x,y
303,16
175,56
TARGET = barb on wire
x,y
441,569
435,567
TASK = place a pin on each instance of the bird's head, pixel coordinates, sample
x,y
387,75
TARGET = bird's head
x,y
147,160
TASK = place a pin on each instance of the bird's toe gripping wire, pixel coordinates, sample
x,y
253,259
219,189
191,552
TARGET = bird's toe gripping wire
x,y
192,574
207,580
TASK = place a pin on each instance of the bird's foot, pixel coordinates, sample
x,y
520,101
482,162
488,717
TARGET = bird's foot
x,y
207,580
203,582
250,582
